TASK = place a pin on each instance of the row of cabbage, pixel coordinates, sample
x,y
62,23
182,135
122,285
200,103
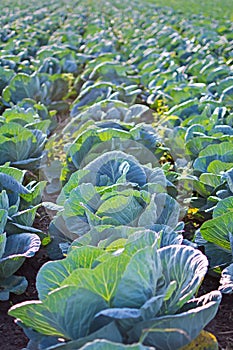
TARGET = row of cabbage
x,y
129,276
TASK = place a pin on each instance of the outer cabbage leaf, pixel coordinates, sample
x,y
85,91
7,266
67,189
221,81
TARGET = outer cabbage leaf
x,y
3,220
14,250
5,76
52,274
174,331
13,284
37,340
139,281
222,152
217,230
91,94
217,256
103,279
184,266
17,248
65,313
11,180
226,281
106,345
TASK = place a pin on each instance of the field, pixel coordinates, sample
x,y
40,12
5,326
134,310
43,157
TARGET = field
x,y
116,175
218,9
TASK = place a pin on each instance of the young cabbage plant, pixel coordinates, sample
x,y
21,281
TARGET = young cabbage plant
x,y
113,238
89,206
39,87
24,196
13,252
22,147
18,221
211,149
216,235
139,293
116,168
140,141
28,117
114,189
110,110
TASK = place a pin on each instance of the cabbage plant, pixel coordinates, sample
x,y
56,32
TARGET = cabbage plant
x,y
13,252
140,140
114,189
49,90
115,168
110,110
117,205
30,116
20,211
120,180
5,76
23,196
113,238
18,221
22,147
216,235
21,202
138,293
208,141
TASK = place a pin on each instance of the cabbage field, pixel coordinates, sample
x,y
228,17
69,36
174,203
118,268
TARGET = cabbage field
x,y
116,175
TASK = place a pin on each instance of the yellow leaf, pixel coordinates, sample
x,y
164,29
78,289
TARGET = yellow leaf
x,y
205,341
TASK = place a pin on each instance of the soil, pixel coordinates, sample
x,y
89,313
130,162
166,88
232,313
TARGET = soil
x,y
222,325
12,337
